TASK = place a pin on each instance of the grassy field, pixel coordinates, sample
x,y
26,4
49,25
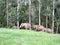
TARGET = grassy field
x,y
27,37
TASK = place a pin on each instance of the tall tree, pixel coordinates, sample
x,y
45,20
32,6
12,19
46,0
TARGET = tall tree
x,y
7,12
47,19
48,13
46,4
30,12
53,16
39,12
18,5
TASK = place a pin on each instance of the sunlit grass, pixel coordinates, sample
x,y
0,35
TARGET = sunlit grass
x,y
27,37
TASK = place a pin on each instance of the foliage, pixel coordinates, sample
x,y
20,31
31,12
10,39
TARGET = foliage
x,y
24,12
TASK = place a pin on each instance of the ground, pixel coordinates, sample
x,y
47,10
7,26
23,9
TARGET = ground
x,y
27,37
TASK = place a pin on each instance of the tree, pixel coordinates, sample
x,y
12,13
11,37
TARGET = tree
x,y
57,25
30,12
46,5
53,15
7,12
57,19
48,13
18,5
39,12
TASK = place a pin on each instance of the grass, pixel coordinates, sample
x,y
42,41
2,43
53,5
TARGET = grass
x,y
27,37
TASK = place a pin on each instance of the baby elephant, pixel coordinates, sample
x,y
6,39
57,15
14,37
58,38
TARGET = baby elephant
x,y
14,27
25,25
48,30
38,27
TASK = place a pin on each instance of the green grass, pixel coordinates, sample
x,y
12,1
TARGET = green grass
x,y
27,37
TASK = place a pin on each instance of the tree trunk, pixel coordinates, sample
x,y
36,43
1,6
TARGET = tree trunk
x,y
39,12
32,15
7,12
18,5
2,24
30,12
46,21
47,18
53,17
57,28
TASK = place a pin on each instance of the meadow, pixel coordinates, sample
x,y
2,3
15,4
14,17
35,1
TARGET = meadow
x,y
27,37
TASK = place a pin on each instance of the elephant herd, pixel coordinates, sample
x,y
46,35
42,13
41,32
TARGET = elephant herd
x,y
35,27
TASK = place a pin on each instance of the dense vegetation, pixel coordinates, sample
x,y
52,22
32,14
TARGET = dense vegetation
x,y
27,37
42,12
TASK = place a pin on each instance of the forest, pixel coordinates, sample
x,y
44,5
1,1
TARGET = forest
x,y
34,12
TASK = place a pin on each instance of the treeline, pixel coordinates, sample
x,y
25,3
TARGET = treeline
x,y
41,12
